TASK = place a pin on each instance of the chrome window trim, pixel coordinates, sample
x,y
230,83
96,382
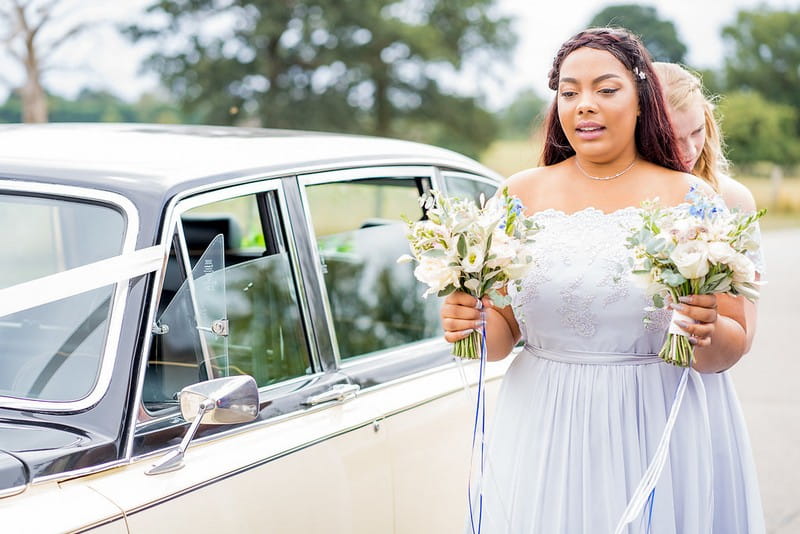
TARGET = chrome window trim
x,y
396,354
176,208
111,342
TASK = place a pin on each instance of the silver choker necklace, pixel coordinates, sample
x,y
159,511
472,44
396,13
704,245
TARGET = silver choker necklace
x,y
602,178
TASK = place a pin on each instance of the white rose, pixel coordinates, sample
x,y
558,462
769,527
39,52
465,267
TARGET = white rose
x,y
516,271
436,274
720,252
691,259
743,269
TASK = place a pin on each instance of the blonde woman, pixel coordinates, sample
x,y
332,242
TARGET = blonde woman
x,y
695,127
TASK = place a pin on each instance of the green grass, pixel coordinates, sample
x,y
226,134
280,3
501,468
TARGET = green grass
x,y
783,204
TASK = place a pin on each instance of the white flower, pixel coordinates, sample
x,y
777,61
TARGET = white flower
x,y
720,252
473,261
436,274
691,258
743,269
405,258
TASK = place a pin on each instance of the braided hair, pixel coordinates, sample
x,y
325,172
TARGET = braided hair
x,y
655,140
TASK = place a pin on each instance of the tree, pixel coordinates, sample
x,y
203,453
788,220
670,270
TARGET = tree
x,y
765,54
758,130
659,36
519,119
373,66
25,23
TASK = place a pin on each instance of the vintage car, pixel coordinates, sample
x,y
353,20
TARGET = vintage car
x,y
205,329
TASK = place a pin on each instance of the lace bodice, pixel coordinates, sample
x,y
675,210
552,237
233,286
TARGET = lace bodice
x,y
580,295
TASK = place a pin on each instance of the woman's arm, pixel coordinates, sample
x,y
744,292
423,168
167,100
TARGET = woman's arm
x,y
460,314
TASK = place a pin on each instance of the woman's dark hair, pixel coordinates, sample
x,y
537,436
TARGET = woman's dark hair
x,y
655,139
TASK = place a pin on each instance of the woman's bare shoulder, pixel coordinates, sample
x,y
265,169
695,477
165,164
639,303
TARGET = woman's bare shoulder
x,y
675,185
523,182
736,194
533,186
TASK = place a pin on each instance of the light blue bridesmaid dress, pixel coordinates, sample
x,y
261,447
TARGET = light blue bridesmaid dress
x,y
583,406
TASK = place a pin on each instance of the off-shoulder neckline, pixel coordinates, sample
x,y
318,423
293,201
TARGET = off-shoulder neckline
x,y
589,210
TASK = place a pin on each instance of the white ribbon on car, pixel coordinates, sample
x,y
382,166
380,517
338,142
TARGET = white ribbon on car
x,y
79,280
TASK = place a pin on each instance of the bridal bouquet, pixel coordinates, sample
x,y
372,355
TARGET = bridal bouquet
x,y
698,247
475,248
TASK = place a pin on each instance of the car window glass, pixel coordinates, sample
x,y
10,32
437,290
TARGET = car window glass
x,y
462,186
375,302
243,318
54,351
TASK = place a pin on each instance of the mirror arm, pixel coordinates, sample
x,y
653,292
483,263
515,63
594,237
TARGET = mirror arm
x,y
173,460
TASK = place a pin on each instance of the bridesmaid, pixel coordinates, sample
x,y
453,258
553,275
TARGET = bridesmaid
x,y
584,406
699,137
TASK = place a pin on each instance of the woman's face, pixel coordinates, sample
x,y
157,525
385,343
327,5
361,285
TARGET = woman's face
x,y
689,126
598,105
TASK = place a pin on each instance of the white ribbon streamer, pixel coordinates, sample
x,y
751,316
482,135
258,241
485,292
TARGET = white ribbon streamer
x,y
653,472
79,280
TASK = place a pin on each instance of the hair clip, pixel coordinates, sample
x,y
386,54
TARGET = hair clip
x,y
639,73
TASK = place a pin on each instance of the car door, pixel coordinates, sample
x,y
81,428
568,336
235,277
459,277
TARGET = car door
x,y
233,301
387,338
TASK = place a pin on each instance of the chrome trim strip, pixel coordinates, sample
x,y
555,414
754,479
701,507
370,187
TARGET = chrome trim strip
x,y
394,172
10,492
121,290
396,354
297,448
246,468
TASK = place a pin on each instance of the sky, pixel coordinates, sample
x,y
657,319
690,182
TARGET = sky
x,y
103,59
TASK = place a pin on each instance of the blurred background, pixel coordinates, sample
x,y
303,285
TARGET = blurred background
x,y
464,74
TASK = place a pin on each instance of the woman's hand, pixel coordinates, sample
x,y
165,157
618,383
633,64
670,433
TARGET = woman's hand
x,y
719,340
461,314
702,310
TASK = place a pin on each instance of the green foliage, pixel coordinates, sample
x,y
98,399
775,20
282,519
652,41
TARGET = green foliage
x,y
523,116
756,129
765,55
373,66
98,106
659,36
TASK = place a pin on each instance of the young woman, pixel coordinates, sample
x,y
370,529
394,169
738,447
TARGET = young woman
x,y
700,141
584,405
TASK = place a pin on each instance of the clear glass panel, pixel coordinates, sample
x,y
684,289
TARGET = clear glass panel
x,y
267,340
54,351
376,304
255,293
209,285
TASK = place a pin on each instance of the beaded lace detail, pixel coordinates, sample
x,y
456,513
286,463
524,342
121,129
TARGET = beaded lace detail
x,y
586,252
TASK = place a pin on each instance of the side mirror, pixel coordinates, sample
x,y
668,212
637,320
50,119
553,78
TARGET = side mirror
x,y
222,401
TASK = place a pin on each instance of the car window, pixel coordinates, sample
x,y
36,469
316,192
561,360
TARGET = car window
x,y
54,351
468,186
238,312
375,303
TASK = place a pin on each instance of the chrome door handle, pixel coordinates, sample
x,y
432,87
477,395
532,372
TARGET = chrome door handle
x,y
339,392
